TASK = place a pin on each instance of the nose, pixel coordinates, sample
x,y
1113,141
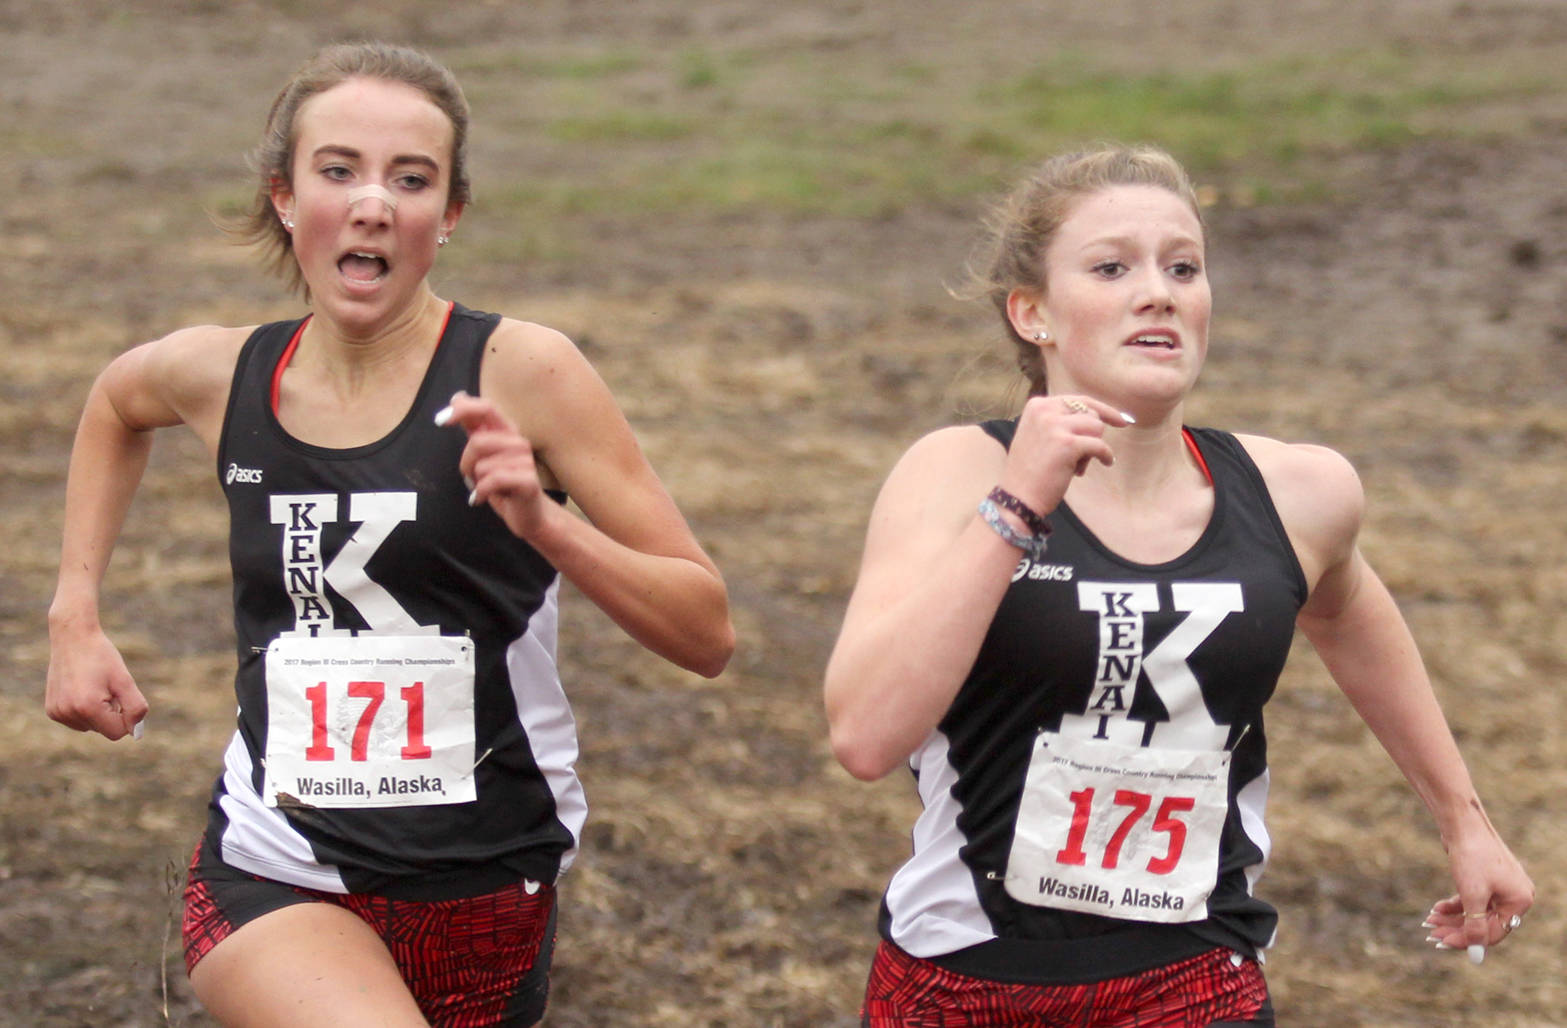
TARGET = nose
x,y
372,203
1154,292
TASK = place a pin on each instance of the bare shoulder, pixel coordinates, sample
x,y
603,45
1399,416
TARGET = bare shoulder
x,y
182,377
956,452
942,475
530,367
201,354
529,350
1303,467
1318,496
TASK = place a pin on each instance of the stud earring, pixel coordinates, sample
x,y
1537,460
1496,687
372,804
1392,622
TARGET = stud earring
x,y
288,221
1041,336
442,239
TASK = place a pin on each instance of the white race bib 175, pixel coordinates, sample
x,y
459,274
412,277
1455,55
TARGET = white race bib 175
x,y
369,721
1121,831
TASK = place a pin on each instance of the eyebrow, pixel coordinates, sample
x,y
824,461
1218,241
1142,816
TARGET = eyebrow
x,y
333,149
1123,241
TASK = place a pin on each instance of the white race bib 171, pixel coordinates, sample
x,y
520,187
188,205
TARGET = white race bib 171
x,y
1122,831
369,721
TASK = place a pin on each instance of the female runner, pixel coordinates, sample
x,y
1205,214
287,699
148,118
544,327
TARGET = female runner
x,y
399,797
1068,624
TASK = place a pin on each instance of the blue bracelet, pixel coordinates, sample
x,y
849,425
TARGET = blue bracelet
x,y
1033,545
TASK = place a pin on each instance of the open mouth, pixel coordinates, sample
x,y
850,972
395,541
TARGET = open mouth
x,y
1154,340
357,266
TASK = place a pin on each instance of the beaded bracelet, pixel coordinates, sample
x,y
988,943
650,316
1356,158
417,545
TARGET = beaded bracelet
x,y
1031,517
1033,545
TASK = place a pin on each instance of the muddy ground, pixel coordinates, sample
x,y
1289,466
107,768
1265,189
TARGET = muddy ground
x,y
1409,310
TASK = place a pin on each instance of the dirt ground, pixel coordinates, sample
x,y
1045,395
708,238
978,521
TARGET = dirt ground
x,y
1412,314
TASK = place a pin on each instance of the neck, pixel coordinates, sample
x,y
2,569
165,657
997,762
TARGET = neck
x,y
332,347
1149,460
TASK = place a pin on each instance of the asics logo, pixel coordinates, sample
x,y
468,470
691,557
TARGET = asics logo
x,y
1042,572
249,476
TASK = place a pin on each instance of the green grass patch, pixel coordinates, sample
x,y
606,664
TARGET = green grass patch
x,y
623,126
520,66
716,131
1262,117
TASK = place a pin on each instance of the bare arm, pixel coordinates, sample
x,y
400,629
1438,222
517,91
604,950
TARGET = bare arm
x,y
545,415
930,580
155,385
933,574
1354,624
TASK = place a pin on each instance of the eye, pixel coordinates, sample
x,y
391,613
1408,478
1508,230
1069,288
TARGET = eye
x,y
1109,269
336,173
412,182
1185,271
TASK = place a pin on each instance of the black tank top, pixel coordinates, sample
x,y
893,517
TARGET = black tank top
x,y
380,539
1044,659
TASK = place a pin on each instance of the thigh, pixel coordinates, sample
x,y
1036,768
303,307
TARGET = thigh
x,y
304,965
478,960
474,961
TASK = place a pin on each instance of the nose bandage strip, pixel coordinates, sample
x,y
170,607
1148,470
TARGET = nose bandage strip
x,y
380,192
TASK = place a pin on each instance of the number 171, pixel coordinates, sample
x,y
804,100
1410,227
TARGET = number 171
x,y
375,693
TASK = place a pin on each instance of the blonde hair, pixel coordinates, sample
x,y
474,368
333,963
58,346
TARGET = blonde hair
x,y
273,159
1019,229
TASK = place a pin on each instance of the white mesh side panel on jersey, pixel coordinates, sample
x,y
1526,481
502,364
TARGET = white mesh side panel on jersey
x,y
545,714
935,908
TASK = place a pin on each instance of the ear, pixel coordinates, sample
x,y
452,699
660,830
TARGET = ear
x,y
452,216
282,198
1025,312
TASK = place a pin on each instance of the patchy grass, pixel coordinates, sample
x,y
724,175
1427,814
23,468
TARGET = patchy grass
x,y
844,139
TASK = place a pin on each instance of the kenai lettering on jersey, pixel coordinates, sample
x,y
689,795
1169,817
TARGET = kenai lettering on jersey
x,y
306,573
1122,608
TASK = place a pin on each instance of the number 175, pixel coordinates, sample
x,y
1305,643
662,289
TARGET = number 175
x,y
1136,805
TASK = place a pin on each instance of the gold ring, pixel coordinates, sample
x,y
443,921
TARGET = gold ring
x,y
1075,406
1476,917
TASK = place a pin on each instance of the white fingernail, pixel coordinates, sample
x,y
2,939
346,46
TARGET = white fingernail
x,y
468,482
443,415
1476,953
1128,418
473,498
138,728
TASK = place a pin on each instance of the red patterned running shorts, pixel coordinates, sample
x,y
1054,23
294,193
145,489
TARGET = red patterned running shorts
x,y
475,962
1206,990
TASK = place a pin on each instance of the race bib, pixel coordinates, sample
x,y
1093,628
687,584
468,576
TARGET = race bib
x,y
369,721
1121,831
